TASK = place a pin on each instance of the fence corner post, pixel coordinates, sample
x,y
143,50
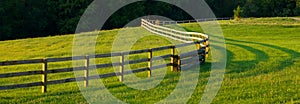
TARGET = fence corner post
x,y
44,76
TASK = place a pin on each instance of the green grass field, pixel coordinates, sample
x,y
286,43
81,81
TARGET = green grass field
x,y
263,63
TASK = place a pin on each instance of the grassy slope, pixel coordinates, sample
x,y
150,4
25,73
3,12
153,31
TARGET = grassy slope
x,y
263,61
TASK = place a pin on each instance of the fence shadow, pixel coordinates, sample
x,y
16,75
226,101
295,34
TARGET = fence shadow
x,y
263,57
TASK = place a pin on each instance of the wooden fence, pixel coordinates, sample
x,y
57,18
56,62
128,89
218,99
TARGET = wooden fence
x,y
177,63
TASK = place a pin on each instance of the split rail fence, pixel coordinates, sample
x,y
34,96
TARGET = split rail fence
x,y
177,63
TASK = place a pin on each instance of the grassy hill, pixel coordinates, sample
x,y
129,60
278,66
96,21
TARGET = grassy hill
x,y
263,65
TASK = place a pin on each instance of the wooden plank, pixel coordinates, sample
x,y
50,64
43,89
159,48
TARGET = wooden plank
x,y
7,87
136,61
65,70
107,55
183,45
163,56
161,48
118,73
150,63
136,71
44,76
107,65
109,75
59,59
65,59
136,52
16,74
67,80
189,60
86,71
160,66
18,62
104,75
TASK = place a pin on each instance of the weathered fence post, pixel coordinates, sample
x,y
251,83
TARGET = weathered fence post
x,y
176,63
86,71
149,62
157,22
179,63
172,57
121,77
44,76
206,48
198,45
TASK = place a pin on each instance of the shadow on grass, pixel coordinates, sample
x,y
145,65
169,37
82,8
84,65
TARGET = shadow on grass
x,y
244,66
260,57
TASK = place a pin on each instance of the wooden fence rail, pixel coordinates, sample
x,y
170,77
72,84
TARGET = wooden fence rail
x,y
186,37
175,65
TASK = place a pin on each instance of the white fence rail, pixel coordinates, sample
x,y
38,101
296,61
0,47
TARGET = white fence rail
x,y
161,22
186,37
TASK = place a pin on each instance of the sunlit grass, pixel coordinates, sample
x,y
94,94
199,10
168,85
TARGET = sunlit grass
x,y
262,66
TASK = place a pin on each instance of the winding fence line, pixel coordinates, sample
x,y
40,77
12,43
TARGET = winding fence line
x,y
178,61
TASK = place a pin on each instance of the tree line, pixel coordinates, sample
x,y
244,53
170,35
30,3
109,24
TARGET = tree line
x,y
37,18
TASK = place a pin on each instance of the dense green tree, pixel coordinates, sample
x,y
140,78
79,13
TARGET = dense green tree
x,y
36,18
268,8
22,18
297,9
